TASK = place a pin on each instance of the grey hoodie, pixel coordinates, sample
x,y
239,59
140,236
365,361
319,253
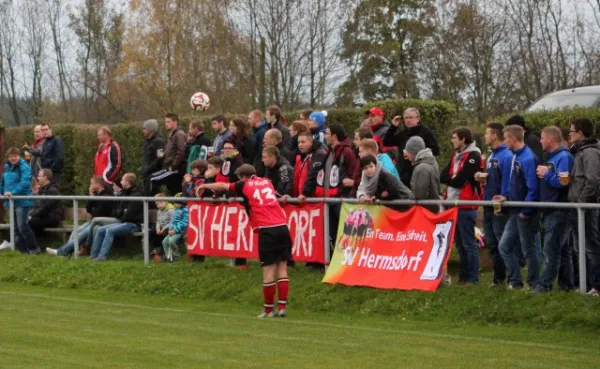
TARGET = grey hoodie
x,y
368,185
425,180
453,193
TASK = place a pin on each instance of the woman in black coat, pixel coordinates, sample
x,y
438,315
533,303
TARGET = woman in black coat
x,y
240,131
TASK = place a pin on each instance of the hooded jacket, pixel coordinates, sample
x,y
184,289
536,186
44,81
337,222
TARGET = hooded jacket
x,y
319,131
524,183
285,132
585,177
307,168
551,190
498,168
425,181
247,148
179,223
151,163
165,216
46,208
174,158
281,176
16,179
340,163
285,152
393,137
381,182
459,175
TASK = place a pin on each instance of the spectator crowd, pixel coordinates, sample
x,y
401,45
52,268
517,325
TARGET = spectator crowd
x,y
382,160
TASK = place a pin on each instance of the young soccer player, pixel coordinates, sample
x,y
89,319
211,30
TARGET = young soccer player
x,y
274,240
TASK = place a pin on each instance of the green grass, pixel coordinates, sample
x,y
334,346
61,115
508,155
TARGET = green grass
x,y
56,328
216,281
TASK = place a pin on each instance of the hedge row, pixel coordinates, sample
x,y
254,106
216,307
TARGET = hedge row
x,y
81,143
560,118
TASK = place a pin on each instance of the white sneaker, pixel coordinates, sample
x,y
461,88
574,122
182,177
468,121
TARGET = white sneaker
x,y
4,245
52,252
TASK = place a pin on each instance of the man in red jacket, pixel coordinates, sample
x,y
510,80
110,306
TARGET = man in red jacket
x,y
108,156
308,165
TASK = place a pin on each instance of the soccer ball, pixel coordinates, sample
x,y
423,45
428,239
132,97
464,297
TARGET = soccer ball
x,y
200,101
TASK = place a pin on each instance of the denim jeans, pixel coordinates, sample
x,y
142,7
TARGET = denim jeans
x,y
82,234
566,275
105,236
25,240
464,238
493,227
96,223
592,246
525,231
556,233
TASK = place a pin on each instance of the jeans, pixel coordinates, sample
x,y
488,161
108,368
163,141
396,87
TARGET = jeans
x,y
105,236
592,246
464,237
96,223
23,233
493,227
556,233
566,275
82,234
525,231
334,220
171,242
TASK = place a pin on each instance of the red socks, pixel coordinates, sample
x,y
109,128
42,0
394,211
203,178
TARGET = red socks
x,y
269,296
283,287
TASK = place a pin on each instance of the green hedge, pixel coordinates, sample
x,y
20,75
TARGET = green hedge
x,y
561,118
81,143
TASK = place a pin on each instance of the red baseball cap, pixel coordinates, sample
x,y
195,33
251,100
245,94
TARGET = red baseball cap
x,y
375,111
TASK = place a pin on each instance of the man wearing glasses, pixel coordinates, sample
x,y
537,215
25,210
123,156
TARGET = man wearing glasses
x,y
399,137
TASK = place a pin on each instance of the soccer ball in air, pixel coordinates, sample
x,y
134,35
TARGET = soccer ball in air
x,y
200,101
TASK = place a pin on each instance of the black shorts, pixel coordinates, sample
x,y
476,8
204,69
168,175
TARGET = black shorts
x,y
274,245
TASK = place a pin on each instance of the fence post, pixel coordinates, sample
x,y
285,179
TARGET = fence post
x,y
76,229
11,209
145,236
581,247
326,232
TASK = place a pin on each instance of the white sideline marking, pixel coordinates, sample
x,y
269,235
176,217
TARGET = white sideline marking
x,y
306,322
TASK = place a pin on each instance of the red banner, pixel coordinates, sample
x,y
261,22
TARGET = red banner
x,y
223,230
382,248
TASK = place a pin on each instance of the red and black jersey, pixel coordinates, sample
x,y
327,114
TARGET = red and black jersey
x,y
261,202
108,161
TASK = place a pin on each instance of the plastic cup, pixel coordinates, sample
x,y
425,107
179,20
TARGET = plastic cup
x,y
482,178
497,207
160,153
564,178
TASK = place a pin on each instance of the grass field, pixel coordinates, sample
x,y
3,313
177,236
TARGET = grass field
x,y
58,313
52,328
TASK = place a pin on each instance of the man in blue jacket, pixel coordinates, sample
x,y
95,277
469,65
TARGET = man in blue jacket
x,y
498,168
523,223
16,181
554,187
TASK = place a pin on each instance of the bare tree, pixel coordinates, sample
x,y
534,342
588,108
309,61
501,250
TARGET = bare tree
x,y
10,45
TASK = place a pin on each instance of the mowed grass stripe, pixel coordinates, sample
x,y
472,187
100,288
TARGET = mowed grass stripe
x,y
149,336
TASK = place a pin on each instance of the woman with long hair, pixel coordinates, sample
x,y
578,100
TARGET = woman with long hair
x,y
240,131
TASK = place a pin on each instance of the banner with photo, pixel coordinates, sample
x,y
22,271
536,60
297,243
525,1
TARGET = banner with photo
x,y
223,230
382,248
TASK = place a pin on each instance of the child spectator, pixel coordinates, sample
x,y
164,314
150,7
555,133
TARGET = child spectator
x,y
177,230
212,175
192,181
164,218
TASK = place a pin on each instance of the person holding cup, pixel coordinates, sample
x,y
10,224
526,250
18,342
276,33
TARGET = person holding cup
x,y
496,184
554,187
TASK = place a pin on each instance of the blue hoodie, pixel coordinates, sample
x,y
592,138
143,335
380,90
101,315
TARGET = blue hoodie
x,y
499,166
388,164
524,183
558,161
17,180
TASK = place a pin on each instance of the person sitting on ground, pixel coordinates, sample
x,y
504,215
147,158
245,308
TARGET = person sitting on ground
x,y
425,181
378,184
279,171
164,216
95,209
16,181
46,213
195,179
177,230
130,213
